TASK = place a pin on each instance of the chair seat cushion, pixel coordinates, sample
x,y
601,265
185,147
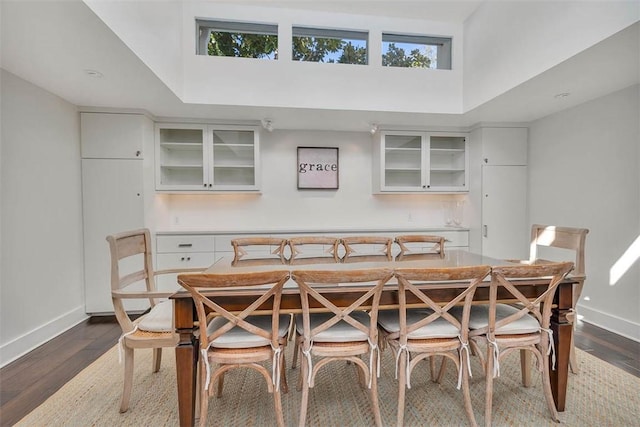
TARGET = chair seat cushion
x,y
389,320
240,338
340,332
159,319
525,325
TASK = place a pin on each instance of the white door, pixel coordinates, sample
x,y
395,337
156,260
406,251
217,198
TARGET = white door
x,y
505,230
112,201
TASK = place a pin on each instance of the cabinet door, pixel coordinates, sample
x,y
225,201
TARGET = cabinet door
x,y
505,230
112,136
112,202
448,163
182,154
403,160
504,146
234,162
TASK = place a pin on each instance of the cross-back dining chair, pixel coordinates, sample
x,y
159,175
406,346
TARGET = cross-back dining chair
x,y
524,326
314,247
358,246
131,250
419,244
561,243
240,340
261,247
415,334
344,332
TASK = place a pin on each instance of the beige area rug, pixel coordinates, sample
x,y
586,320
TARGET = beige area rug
x,y
600,395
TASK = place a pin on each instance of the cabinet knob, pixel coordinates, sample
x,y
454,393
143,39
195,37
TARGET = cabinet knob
x,y
204,185
182,259
210,185
486,160
138,153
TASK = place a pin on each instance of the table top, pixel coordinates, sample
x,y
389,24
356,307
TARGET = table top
x,y
451,258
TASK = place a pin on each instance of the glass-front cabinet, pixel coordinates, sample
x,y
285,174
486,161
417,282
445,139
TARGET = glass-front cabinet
x,y
420,162
207,158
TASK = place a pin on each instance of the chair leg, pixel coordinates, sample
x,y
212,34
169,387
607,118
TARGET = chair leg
x,y
128,379
296,349
283,374
525,367
465,390
204,396
548,394
305,393
402,387
573,360
157,359
277,401
488,403
443,370
374,399
220,385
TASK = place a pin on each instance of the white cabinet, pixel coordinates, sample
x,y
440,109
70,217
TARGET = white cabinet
x,y
420,162
207,158
182,251
498,197
112,136
113,194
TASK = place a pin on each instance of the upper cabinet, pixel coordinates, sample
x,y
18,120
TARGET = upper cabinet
x,y
207,158
113,135
420,162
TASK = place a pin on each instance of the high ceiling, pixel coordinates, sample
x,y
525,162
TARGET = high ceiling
x,y
53,43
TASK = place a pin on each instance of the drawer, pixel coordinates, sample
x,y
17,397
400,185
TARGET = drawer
x,y
184,260
184,243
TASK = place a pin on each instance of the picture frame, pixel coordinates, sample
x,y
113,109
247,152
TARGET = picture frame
x,y
318,168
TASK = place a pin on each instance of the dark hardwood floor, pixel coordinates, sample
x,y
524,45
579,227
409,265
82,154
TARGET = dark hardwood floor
x,y
30,380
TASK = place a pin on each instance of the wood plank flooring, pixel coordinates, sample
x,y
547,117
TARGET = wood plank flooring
x,y
30,380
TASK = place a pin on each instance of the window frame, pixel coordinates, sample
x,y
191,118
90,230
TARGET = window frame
x,y
236,27
330,33
444,46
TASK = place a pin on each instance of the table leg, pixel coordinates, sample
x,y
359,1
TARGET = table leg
x,y
562,333
186,360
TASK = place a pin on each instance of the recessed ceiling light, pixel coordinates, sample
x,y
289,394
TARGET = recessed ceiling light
x,y
562,95
93,73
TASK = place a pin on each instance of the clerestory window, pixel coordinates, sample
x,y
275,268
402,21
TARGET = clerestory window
x,y
328,45
416,51
237,39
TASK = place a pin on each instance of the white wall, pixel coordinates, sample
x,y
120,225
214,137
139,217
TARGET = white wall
x,y
41,275
584,166
509,42
282,205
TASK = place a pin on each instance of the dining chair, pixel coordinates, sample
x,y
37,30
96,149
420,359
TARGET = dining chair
x,y
420,244
358,246
131,266
261,247
314,247
240,340
345,332
525,326
570,239
415,334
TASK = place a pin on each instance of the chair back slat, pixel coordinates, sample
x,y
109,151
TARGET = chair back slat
x,y
507,277
265,247
359,246
314,284
197,285
319,246
460,283
407,244
569,238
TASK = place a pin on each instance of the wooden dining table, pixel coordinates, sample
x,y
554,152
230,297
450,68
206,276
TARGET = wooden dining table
x,y
236,299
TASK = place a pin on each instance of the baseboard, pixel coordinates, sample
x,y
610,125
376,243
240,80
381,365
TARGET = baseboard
x,y
610,322
40,335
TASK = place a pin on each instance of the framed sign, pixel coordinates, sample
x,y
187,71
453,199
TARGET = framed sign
x,y
317,168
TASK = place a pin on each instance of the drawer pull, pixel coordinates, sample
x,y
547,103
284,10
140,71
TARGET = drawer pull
x,y
185,245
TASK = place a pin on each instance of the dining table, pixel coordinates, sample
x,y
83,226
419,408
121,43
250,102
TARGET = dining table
x,y
236,299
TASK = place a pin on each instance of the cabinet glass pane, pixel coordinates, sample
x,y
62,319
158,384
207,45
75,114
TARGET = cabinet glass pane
x,y
447,161
233,157
402,178
181,154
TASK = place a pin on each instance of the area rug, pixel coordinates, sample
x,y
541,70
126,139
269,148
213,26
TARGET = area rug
x,y
600,395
